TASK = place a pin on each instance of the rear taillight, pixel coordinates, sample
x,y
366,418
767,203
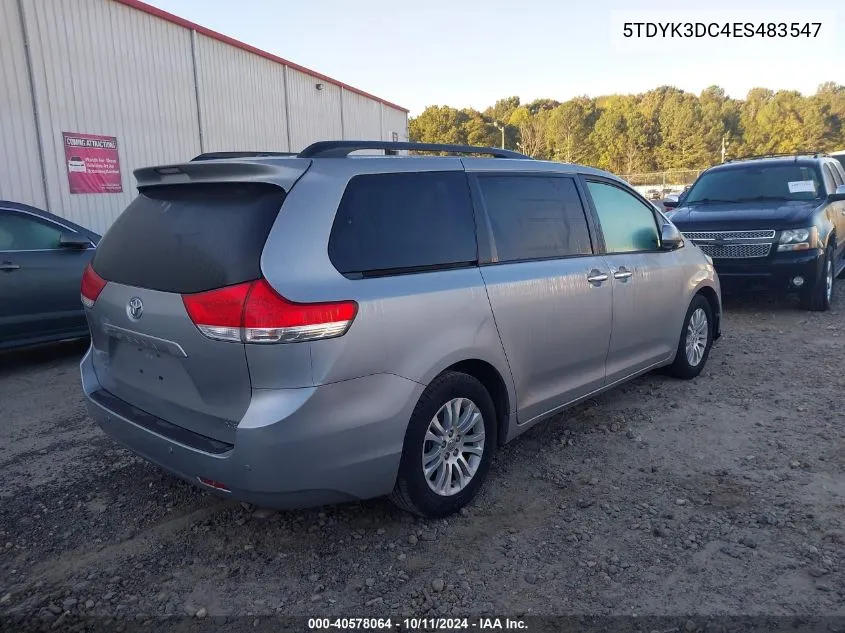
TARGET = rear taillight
x,y
92,286
253,312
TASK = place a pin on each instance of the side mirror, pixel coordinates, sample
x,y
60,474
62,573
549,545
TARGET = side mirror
x,y
838,195
72,241
670,237
671,201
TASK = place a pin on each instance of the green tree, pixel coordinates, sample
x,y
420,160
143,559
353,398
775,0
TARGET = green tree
x,y
532,137
682,133
778,126
478,130
609,134
717,120
502,110
663,128
635,148
830,101
568,130
539,105
754,137
438,124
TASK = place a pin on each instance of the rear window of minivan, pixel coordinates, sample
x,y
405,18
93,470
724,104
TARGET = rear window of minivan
x,y
190,237
403,222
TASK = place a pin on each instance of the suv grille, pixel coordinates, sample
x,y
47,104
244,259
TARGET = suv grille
x,y
730,235
733,244
734,251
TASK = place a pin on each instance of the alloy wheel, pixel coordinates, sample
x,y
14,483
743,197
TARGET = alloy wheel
x,y
453,447
697,333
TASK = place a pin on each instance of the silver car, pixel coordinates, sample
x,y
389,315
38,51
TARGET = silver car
x,y
302,330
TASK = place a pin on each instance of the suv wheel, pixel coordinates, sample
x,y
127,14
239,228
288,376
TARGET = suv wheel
x,y
820,294
448,447
695,342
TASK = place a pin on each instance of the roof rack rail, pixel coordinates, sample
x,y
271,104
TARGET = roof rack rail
x,y
814,154
341,149
219,155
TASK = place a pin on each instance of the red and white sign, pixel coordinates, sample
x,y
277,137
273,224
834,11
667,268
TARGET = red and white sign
x,y
93,164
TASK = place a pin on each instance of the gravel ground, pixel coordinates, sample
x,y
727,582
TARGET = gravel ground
x,y
723,495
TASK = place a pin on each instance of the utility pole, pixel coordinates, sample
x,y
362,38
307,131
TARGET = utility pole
x,y
501,127
724,146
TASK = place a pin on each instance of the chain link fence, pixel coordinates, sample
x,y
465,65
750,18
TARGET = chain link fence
x,y
656,185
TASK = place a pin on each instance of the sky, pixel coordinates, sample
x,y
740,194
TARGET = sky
x,y
469,53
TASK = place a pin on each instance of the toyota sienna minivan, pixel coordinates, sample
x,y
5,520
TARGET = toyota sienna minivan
x,y
301,330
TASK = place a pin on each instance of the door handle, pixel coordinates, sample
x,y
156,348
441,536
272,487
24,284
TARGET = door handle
x,y
596,277
8,267
622,273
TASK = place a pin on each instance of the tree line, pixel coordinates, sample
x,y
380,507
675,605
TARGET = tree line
x,y
664,128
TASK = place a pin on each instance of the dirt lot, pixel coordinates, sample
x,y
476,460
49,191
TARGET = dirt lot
x,y
723,495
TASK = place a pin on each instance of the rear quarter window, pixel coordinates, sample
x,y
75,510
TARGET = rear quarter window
x,y
191,237
403,222
836,174
535,217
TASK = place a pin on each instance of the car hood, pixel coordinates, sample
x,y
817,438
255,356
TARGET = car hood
x,y
781,214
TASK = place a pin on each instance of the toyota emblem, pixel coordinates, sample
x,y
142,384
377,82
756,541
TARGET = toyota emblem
x,y
135,308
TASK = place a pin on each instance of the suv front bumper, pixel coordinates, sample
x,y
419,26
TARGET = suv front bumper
x,y
294,448
776,273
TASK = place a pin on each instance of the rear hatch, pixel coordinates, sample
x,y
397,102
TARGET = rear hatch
x,y
192,229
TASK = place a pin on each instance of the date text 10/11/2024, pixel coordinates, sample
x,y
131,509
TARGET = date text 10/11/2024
x,y
415,624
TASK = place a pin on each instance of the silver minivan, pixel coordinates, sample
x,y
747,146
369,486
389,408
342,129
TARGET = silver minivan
x,y
297,330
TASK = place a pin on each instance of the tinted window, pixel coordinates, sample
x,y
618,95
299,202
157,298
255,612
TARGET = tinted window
x,y
19,232
534,217
841,159
838,172
402,222
828,179
628,224
834,176
190,238
753,182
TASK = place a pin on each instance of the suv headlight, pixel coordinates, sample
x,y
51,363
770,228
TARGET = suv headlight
x,y
799,239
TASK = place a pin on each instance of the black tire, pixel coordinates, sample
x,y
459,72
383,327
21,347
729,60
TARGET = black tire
x,y
682,367
412,491
817,298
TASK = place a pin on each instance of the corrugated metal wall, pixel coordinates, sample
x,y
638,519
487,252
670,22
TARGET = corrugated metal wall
x,y
242,99
361,117
20,169
394,121
103,68
314,114
164,91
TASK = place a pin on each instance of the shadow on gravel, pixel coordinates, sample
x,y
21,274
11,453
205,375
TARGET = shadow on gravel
x,y
738,302
40,355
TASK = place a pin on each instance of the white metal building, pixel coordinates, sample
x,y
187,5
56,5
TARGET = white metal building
x,y
163,88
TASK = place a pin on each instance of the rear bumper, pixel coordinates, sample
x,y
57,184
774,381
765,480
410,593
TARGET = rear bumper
x,y
293,448
775,274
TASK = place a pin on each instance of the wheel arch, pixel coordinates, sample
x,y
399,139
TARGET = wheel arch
x,y
494,382
710,294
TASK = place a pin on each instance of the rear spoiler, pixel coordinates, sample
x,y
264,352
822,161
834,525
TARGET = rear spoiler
x,y
282,173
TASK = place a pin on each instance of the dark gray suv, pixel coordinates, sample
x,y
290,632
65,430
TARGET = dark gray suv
x,y
301,330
